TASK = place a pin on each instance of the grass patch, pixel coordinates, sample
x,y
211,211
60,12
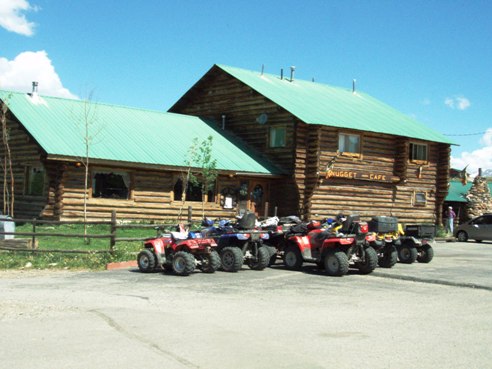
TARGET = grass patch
x,y
123,250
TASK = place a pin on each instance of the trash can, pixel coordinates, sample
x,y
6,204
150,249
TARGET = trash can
x,y
6,225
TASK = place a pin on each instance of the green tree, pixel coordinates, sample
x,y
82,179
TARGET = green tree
x,y
201,169
8,173
87,121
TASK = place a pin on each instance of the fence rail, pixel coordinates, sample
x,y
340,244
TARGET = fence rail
x,y
112,235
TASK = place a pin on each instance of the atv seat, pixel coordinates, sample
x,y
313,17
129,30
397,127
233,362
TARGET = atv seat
x,y
351,224
248,221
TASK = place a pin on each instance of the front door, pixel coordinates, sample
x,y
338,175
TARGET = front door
x,y
258,196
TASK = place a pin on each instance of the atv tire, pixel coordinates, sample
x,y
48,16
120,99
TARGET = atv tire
x,y
263,258
425,255
273,255
370,261
336,263
232,259
183,263
146,261
389,258
293,258
407,253
211,262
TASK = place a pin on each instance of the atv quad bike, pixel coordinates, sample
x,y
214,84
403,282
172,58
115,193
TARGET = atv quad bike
x,y
386,237
331,249
240,243
180,251
416,243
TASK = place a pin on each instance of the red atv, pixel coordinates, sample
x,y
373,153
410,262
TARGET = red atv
x,y
180,251
333,250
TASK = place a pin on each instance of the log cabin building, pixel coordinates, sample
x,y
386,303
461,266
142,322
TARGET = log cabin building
x,y
342,150
298,147
137,159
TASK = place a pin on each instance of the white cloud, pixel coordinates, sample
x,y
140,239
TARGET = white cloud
x,y
13,19
480,158
457,102
19,73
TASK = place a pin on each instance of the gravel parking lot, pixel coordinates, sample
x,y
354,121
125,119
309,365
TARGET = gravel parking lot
x,y
433,315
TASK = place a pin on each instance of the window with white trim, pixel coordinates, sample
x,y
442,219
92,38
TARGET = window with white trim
x,y
418,152
349,143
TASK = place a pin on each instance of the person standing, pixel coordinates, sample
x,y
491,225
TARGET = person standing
x,y
450,215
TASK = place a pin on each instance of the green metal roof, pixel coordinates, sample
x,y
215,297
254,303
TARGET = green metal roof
x,y
316,103
457,191
125,134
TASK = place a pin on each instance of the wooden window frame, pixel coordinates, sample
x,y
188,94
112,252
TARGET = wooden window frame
x,y
27,179
418,161
131,179
419,203
350,154
270,137
176,178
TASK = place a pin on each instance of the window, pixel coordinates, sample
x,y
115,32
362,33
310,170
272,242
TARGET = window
x,y
35,178
193,192
277,136
110,185
418,152
482,220
420,198
349,143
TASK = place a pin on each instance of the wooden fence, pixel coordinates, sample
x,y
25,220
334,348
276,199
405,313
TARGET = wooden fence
x,y
112,235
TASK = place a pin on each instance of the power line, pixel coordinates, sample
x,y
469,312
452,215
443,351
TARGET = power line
x,y
465,134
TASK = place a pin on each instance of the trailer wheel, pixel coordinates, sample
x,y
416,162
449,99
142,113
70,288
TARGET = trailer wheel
x,y
336,263
370,261
211,262
146,261
293,258
232,259
263,258
407,253
183,263
389,258
426,253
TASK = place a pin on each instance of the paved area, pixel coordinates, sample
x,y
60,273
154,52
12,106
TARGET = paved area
x,y
433,315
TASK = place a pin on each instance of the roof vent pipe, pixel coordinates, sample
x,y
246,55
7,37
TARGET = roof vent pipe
x,y
34,87
262,68
223,121
281,73
292,70
353,85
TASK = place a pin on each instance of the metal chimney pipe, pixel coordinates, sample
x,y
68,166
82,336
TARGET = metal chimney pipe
x,y
292,70
281,73
479,172
34,87
223,121
353,85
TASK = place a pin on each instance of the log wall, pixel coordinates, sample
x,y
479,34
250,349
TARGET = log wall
x,y
25,153
151,198
388,156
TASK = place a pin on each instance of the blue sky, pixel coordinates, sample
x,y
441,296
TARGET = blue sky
x,y
429,59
